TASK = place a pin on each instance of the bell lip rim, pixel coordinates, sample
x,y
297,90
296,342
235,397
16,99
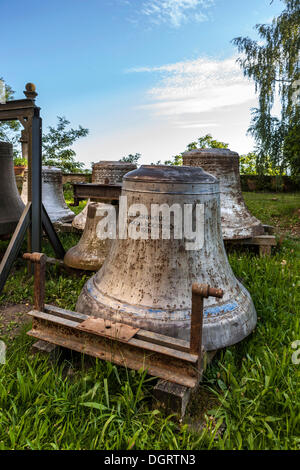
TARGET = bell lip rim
x,y
203,178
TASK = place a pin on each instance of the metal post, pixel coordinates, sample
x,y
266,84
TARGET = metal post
x,y
36,178
39,261
199,292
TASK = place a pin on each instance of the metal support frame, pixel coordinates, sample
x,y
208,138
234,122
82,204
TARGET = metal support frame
x,y
34,217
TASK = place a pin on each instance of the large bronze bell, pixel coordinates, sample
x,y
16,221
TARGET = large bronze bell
x,y
11,205
146,282
237,222
52,194
104,172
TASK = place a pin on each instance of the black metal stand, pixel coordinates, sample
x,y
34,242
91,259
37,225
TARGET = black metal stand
x,y
34,217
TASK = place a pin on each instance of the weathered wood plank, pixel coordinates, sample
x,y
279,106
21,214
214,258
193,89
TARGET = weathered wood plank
x,y
146,346
127,356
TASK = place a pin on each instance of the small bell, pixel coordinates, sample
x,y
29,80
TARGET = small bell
x,y
11,205
52,194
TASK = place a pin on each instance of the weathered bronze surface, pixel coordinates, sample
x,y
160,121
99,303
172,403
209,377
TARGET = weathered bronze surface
x,y
52,194
11,205
90,252
146,283
237,222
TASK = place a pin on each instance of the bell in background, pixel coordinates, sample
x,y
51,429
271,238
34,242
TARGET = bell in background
x,y
237,222
11,205
90,252
148,282
104,172
52,194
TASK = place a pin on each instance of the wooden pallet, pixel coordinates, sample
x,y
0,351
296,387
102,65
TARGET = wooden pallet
x,y
121,344
173,360
264,242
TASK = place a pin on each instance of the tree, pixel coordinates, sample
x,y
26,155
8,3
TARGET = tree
x,y
273,64
9,130
207,141
248,165
57,144
131,158
203,142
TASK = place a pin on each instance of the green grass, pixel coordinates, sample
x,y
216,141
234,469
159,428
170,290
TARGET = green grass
x,y
251,391
279,209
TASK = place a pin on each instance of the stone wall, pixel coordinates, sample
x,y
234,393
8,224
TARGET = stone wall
x,y
269,183
76,178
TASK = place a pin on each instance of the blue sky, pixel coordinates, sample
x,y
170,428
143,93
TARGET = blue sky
x,y
146,76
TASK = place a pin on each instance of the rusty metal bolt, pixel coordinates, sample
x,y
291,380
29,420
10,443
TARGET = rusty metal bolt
x,y
204,290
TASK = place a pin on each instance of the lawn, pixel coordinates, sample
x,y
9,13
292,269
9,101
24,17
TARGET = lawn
x,y
249,398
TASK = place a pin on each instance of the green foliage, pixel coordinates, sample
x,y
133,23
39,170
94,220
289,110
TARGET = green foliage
x,y
18,161
273,64
291,147
248,165
9,130
205,141
131,158
176,160
57,144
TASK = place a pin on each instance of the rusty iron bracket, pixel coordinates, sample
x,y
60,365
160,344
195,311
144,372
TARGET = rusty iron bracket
x,y
171,359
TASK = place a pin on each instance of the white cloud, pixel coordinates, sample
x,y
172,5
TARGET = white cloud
x,y
187,90
175,12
